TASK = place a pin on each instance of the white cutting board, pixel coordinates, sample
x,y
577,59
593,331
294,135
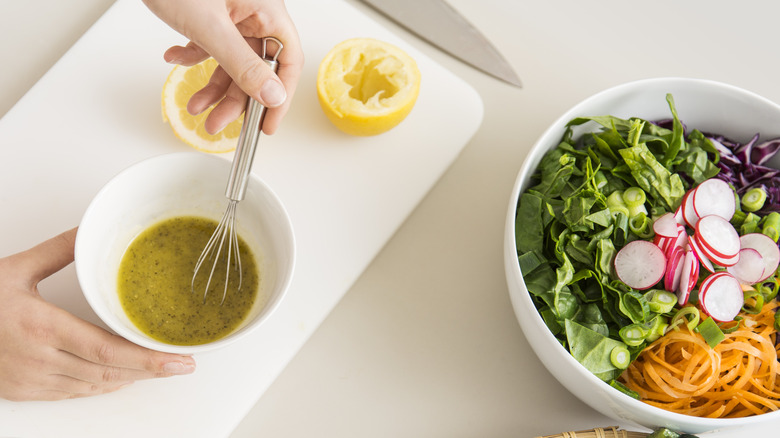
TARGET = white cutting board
x,y
97,111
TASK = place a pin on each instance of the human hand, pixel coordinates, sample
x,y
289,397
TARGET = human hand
x,y
230,31
47,353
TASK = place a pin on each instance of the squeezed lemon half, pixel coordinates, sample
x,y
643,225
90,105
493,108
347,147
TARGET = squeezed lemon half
x,y
180,85
366,86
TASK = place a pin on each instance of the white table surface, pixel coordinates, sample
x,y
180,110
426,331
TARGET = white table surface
x,y
425,343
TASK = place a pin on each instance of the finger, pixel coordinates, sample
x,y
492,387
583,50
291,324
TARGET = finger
x,y
93,344
47,257
54,394
245,66
188,55
213,92
229,109
291,62
76,387
289,74
86,372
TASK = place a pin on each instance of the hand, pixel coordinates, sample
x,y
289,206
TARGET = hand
x,y
48,354
230,31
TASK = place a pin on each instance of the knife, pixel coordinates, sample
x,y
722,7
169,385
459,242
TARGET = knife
x,y
438,23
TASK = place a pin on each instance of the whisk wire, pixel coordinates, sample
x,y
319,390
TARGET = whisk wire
x,y
236,187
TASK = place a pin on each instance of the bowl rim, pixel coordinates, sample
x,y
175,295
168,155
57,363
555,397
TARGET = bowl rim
x,y
284,281
513,272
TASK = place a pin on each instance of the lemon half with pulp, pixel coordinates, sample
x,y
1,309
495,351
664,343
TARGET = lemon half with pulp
x,y
181,84
366,86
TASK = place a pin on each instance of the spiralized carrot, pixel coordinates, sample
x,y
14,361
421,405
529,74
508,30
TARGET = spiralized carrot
x,y
679,372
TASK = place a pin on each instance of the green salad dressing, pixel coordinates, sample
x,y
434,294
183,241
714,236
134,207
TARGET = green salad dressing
x,y
155,288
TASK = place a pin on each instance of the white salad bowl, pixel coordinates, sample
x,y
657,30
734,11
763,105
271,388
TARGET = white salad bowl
x,y
704,105
179,184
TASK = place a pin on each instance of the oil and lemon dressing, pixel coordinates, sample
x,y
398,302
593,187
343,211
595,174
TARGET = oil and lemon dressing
x,y
155,284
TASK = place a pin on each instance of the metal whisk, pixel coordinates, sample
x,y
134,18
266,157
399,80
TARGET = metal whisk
x,y
225,234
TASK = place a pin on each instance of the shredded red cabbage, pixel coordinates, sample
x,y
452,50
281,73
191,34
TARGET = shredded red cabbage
x,y
744,165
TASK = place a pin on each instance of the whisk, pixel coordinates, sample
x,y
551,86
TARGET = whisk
x,y
225,233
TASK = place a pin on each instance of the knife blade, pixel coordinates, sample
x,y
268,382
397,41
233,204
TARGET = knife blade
x,y
441,25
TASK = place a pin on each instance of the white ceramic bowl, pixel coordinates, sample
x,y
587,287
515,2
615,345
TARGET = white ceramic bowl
x,y
187,183
704,105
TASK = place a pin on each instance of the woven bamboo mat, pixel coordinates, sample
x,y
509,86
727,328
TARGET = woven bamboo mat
x,y
600,432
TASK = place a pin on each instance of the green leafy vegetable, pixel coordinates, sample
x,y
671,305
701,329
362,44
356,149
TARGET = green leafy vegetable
x,y
574,216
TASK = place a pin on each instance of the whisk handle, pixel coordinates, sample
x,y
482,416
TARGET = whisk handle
x,y
248,139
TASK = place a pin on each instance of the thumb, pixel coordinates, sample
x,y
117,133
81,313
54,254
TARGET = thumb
x,y
47,257
247,69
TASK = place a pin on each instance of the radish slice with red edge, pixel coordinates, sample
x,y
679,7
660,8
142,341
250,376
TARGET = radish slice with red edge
x,y
665,225
640,264
750,267
718,260
689,214
717,237
689,275
662,242
767,248
714,197
681,239
699,254
720,296
674,264
678,214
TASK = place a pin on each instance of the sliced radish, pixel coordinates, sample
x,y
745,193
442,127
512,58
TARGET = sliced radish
x,y
662,242
700,254
720,296
674,265
714,197
678,214
689,214
718,237
766,247
750,267
716,259
640,264
682,237
689,275
665,225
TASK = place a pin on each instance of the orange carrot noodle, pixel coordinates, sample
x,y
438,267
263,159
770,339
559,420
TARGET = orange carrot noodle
x,y
680,372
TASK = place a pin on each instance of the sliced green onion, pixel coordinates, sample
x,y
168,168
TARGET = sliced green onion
x,y
688,315
615,203
624,389
633,334
664,433
754,199
641,225
634,196
656,328
771,225
599,179
769,291
739,218
711,333
637,210
620,357
661,301
754,301
750,224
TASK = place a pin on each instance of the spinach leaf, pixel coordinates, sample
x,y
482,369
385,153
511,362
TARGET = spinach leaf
x,y
592,350
652,176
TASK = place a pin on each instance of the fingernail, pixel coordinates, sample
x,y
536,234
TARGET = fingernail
x,y
178,368
273,93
